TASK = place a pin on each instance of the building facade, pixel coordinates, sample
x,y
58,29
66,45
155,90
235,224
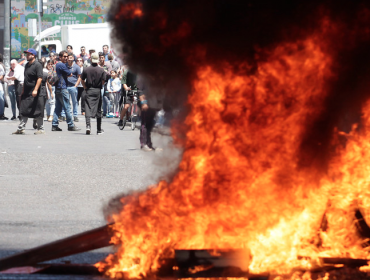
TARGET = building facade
x,y
58,12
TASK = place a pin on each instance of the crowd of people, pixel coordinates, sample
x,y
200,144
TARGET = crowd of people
x,y
96,83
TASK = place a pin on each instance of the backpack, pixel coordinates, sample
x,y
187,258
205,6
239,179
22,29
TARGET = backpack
x,y
53,78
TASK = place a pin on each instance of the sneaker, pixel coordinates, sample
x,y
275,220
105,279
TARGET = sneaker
x,y
56,128
39,131
75,119
88,130
3,118
110,116
146,148
101,131
34,124
73,128
117,116
19,132
50,119
13,118
120,123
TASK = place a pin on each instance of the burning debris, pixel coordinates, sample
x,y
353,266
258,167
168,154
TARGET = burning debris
x,y
276,136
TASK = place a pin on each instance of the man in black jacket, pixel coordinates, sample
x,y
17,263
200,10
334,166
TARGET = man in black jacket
x,y
31,105
93,79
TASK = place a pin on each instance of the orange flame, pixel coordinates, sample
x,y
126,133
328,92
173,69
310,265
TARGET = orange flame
x,y
239,185
130,11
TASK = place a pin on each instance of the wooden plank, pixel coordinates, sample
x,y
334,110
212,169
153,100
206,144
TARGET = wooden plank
x,y
79,243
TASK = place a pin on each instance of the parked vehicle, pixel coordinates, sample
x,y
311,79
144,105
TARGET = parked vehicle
x,y
92,36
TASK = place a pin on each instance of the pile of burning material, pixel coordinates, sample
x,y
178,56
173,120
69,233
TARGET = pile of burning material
x,y
276,139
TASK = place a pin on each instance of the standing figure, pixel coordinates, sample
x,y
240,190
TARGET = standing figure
x,y
62,95
72,83
50,103
2,95
114,92
70,50
107,68
93,79
80,88
9,79
18,83
106,52
149,105
83,54
32,100
127,96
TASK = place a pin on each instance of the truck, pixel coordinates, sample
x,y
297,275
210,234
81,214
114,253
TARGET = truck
x,y
92,36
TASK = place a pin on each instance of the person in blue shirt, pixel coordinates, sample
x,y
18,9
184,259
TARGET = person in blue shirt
x,y
62,95
72,83
106,52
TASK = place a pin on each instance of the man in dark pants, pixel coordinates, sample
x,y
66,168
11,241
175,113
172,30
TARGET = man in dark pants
x,y
128,85
32,104
149,107
62,95
93,79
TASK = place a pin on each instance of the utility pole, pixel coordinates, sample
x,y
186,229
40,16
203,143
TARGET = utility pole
x,y
40,12
6,55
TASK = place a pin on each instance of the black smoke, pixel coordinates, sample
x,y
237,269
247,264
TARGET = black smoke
x,y
165,41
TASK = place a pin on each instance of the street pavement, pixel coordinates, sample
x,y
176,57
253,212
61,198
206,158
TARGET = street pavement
x,y
56,185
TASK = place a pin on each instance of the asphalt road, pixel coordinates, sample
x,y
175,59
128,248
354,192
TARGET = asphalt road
x,y
56,185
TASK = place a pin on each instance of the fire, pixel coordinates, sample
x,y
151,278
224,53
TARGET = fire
x,y
240,185
130,10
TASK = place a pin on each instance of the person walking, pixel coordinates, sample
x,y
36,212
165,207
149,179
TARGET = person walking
x,y
9,79
72,83
62,95
149,105
93,79
80,88
32,100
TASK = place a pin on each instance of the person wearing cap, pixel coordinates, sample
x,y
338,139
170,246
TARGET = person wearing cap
x,y
32,104
93,79
62,95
